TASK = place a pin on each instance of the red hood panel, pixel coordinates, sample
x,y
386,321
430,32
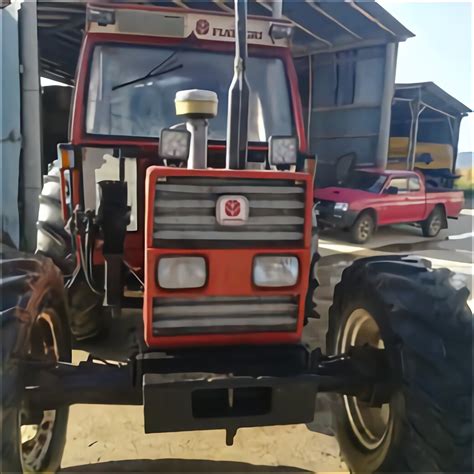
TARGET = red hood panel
x,y
336,194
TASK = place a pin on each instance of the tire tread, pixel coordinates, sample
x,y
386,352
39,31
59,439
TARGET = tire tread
x,y
437,376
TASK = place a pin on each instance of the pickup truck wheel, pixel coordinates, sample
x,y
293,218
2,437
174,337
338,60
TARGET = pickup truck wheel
x,y
54,241
34,327
363,228
432,226
421,318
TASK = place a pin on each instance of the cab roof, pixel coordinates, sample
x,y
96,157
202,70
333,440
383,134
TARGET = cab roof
x,y
319,26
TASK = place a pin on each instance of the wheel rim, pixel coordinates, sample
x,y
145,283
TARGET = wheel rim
x,y
36,431
370,425
364,229
435,224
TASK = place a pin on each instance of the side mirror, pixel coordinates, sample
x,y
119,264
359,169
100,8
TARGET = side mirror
x,y
391,190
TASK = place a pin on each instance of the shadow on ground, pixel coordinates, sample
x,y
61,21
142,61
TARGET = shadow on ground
x,y
177,465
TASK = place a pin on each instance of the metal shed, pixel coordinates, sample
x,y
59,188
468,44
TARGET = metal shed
x,y
425,113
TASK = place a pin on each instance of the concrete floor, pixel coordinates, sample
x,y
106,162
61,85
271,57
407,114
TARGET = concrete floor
x,y
111,439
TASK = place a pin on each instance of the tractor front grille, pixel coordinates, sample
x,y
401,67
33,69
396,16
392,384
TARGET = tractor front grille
x,y
224,315
185,213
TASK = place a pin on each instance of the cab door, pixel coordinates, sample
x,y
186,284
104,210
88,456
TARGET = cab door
x,y
394,200
416,200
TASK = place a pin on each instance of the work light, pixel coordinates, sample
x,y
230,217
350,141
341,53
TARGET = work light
x,y
100,16
279,31
174,144
282,150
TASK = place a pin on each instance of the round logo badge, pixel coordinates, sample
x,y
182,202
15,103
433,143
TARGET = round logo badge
x,y
202,27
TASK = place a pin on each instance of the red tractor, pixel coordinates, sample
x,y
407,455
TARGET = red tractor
x,y
212,234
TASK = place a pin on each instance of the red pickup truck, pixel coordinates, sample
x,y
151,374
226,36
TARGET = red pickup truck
x,y
370,198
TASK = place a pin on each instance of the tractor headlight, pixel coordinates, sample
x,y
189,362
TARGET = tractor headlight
x,y
174,144
341,206
283,150
182,272
275,271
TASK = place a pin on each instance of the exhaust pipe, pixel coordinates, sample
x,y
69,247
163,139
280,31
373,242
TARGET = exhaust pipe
x,y
238,108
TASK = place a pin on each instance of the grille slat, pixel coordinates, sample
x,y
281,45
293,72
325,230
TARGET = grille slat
x,y
218,309
185,211
207,315
196,203
186,188
217,235
280,220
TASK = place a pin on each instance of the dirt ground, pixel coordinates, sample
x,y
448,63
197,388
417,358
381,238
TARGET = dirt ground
x,y
107,439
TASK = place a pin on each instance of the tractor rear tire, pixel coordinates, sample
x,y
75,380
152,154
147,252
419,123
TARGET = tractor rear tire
x,y
54,241
421,318
52,238
34,326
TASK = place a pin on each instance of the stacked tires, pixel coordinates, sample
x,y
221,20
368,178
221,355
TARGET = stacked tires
x,y
421,318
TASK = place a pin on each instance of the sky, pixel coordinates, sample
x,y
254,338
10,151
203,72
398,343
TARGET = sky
x,y
441,52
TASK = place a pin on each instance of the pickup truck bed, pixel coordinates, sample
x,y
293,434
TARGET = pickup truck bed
x,y
373,198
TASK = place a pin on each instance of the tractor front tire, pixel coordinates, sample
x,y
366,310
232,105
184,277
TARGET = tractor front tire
x,y
34,327
421,318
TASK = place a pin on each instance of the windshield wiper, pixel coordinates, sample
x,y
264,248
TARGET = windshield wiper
x,y
154,72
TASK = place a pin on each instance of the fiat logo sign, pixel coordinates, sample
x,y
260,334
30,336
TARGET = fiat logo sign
x,y
202,27
232,210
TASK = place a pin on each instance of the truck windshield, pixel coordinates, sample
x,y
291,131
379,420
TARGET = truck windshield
x,y
144,107
371,182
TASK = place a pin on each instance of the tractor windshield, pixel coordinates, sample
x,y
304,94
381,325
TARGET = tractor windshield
x,y
131,95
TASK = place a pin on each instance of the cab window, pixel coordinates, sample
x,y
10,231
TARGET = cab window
x,y
400,183
414,184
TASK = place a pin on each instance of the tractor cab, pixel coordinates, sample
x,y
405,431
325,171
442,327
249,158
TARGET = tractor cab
x,y
186,167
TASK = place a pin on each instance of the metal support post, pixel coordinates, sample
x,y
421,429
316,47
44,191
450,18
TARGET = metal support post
x,y
381,156
31,122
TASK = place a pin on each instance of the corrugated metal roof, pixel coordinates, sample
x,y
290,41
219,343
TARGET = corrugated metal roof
x,y
432,96
319,27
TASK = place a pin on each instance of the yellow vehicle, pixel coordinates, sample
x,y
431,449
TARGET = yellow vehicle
x,y
424,131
